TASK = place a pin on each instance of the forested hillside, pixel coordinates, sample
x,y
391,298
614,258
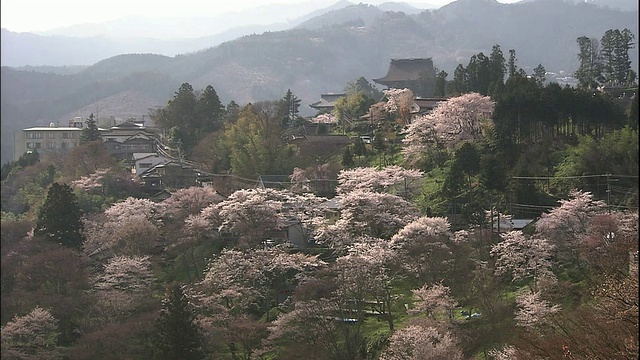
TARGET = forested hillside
x,y
321,59
501,224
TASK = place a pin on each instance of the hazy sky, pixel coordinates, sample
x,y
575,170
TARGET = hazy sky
x,y
42,15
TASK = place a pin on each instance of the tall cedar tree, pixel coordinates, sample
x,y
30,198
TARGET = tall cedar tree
x,y
60,218
91,132
177,336
291,104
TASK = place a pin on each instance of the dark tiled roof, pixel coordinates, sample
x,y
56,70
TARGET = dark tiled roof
x,y
327,101
426,104
406,70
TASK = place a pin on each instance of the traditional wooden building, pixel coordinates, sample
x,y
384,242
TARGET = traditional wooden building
x,y
327,102
416,74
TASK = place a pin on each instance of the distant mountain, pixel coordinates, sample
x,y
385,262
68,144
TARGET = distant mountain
x,y
310,61
401,7
624,5
352,15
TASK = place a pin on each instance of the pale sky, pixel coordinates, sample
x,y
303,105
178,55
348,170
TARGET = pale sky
x,y
42,15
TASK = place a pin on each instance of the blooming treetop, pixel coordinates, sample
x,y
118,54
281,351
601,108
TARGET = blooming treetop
x,y
456,120
238,278
92,181
126,273
532,310
399,101
417,342
421,228
522,256
392,179
324,119
431,299
191,200
424,246
374,214
131,207
253,212
572,217
33,335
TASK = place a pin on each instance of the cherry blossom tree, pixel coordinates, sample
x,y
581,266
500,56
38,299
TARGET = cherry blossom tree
x,y
366,275
123,210
399,102
523,257
251,280
417,342
609,238
32,336
432,300
132,235
391,179
123,285
190,201
92,182
324,119
566,225
377,215
317,328
532,310
424,246
459,119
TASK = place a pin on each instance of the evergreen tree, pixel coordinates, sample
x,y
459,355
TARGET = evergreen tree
x,y
540,74
513,69
60,218
441,82
498,66
291,104
623,73
479,72
209,111
232,112
460,84
91,132
589,73
177,336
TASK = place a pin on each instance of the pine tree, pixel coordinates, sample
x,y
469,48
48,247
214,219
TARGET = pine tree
x,y
91,132
177,335
292,104
440,86
60,218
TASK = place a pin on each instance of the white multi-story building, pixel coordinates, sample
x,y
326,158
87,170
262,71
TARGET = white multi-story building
x,y
51,139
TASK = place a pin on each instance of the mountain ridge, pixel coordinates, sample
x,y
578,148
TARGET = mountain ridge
x,y
313,61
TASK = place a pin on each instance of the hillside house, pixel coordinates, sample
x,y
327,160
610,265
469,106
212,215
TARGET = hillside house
x,y
416,74
125,139
172,174
141,162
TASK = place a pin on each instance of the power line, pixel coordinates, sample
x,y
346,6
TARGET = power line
x,y
570,177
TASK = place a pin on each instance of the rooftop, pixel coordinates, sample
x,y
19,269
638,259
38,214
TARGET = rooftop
x,y
407,70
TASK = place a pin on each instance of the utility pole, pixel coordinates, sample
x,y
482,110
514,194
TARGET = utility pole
x,y
609,180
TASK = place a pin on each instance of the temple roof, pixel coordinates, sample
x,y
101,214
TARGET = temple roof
x,y
327,101
406,70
